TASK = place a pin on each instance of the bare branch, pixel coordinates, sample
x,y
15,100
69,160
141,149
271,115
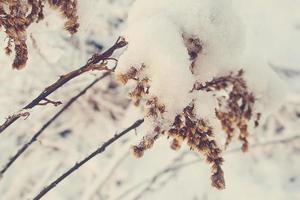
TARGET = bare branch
x,y
89,66
46,125
97,187
100,150
152,181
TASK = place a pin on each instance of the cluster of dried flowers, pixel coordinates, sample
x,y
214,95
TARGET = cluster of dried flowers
x,y
17,15
234,111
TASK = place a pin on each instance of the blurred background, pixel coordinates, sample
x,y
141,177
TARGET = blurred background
x,y
270,170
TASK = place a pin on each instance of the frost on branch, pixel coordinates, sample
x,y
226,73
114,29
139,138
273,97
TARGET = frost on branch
x,y
186,67
17,15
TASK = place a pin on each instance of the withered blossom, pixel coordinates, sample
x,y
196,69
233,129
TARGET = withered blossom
x,y
238,109
234,113
17,15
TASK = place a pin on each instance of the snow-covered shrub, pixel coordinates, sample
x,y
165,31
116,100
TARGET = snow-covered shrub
x,y
17,15
186,66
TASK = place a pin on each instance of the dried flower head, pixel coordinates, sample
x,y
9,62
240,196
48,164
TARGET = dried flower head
x,y
234,111
17,15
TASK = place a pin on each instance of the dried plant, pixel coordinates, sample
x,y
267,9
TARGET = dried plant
x,y
17,15
234,111
194,47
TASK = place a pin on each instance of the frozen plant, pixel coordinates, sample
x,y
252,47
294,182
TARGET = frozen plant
x,y
186,66
17,15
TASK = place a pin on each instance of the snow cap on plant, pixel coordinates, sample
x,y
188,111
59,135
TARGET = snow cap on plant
x,y
185,60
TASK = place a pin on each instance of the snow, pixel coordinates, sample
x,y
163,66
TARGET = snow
x,y
158,37
263,32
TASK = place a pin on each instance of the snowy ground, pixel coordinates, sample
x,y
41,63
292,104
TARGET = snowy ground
x,y
270,170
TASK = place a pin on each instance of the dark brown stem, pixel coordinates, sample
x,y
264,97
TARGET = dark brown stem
x,y
100,150
48,101
46,125
89,66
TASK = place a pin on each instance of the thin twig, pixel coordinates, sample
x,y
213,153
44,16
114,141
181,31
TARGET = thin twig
x,y
172,168
149,181
111,173
37,134
175,168
97,186
89,66
100,150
